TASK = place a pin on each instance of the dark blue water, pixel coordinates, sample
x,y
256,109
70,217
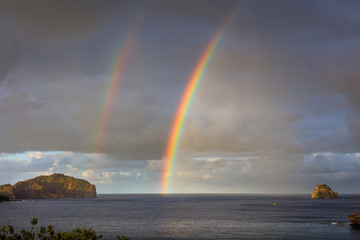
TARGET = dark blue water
x,y
192,216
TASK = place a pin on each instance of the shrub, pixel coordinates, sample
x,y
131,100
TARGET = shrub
x,y
7,232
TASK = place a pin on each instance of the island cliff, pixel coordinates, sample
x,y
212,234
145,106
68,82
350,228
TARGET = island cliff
x,y
7,192
53,186
323,191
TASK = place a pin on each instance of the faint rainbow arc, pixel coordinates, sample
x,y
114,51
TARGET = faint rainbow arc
x,y
111,91
187,97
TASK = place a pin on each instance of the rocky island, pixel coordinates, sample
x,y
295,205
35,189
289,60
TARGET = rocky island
x,y
53,186
323,191
355,219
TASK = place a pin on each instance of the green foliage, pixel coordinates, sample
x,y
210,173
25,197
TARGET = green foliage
x,y
122,238
7,232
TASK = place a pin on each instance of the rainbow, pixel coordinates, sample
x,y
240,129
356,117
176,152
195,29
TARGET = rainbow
x,y
111,91
188,95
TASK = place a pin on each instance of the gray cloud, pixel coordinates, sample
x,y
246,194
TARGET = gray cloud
x,y
332,163
282,84
262,100
9,56
52,20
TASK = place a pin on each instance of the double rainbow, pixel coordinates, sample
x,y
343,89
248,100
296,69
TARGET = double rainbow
x,y
185,103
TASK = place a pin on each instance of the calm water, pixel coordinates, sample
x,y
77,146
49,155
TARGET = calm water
x,y
192,216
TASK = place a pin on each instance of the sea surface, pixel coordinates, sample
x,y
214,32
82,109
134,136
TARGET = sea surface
x,y
144,216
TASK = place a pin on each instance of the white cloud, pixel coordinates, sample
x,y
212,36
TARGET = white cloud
x,y
36,155
206,176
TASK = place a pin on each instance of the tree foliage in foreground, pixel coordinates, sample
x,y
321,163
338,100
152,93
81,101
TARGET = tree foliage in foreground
x,y
7,232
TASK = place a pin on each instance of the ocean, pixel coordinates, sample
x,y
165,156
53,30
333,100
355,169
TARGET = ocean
x,y
192,216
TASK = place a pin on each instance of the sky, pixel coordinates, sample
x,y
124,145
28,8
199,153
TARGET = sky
x,y
91,88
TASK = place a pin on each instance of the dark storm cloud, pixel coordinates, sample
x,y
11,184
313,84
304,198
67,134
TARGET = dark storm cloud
x,y
354,125
52,36
9,56
53,20
280,58
277,65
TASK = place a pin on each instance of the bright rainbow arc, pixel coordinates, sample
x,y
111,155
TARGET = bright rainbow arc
x,y
185,103
111,91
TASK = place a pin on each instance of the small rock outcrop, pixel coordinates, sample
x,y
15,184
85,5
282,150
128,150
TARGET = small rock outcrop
x,y
355,219
53,186
7,191
323,191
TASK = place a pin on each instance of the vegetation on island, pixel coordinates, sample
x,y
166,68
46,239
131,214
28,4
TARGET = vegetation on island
x,y
7,232
53,186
